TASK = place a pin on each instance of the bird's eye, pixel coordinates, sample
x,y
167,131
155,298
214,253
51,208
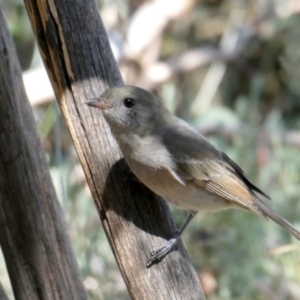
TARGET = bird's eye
x,y
129,102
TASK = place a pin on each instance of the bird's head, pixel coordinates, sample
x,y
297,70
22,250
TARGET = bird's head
x,y
130,108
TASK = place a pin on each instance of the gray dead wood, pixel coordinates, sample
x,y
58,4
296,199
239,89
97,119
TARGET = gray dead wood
x,y
33,234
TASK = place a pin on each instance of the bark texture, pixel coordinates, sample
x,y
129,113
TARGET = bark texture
x,y
80,64
33,233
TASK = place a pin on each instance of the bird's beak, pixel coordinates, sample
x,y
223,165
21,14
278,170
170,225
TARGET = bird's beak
x,y
99,103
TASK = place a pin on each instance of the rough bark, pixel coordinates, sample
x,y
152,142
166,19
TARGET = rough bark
x,y
80,64
33,236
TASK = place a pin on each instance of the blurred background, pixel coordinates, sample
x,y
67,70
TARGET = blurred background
x,y
231,69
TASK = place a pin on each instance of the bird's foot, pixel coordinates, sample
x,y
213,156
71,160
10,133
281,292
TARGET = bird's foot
x,y
159,254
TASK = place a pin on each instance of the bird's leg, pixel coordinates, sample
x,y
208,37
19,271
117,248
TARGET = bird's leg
x,y
159,254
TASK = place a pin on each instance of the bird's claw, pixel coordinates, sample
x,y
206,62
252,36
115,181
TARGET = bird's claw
x,y
159,254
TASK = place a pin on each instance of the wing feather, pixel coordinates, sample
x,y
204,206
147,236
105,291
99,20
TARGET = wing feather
x,y
219,178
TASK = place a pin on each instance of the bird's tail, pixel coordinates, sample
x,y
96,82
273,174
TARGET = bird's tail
x,y
272,214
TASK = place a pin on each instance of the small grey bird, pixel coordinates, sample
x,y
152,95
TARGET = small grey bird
x,y
176,162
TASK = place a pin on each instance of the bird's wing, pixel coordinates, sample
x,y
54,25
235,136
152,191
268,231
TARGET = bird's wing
x,y
197,160
235,168
223,178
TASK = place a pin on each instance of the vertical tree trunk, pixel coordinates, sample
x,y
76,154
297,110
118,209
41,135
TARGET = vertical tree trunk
x,y
33,236
78,58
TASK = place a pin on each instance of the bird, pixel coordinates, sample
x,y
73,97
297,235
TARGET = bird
x,y
176,162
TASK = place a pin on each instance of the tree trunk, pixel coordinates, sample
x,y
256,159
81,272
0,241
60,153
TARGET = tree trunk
x,y
80,64
33,236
